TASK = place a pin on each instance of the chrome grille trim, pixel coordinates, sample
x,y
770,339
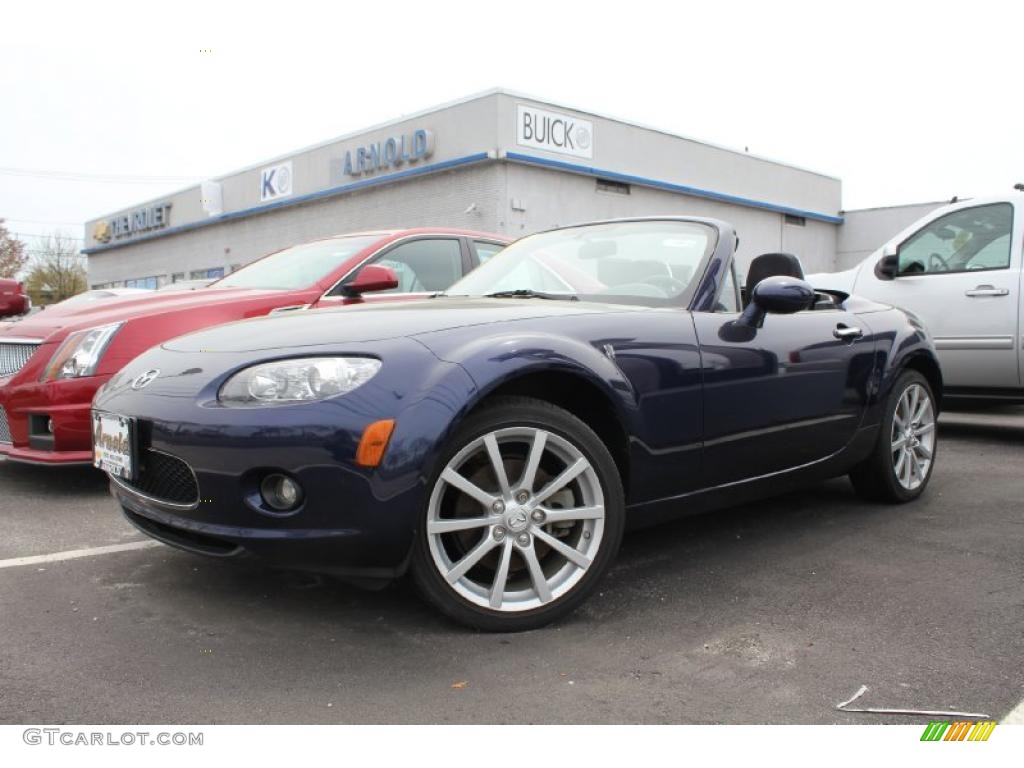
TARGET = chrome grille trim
x,y
123,486
5,430
14,353
132,489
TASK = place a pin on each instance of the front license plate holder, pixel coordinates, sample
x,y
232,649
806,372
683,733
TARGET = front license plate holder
x,y
114,444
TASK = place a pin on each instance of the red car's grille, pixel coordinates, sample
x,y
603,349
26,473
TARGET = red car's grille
x,y
5,430
14,355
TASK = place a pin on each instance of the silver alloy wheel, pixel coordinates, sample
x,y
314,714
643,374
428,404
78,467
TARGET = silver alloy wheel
x,y
913,437
515,519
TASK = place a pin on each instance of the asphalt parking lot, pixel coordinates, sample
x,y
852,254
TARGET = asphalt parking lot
x,y
769,613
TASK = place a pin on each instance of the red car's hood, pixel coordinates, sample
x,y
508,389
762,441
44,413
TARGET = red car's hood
x,y
61,321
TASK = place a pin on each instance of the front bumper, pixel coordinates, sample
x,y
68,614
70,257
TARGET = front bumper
x,y
29,408
353,521
343,552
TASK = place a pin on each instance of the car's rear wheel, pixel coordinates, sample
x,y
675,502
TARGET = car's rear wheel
x,y
901,464
524,516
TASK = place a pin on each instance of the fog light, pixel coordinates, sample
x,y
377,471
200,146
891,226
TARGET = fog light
x,y
280,493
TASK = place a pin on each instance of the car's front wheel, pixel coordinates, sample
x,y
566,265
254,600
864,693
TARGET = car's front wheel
x,y
525,514
901,464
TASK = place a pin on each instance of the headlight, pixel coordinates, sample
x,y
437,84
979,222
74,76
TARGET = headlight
x,y
297,381
80,353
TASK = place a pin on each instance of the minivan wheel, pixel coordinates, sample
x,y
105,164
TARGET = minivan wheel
x,y
525,514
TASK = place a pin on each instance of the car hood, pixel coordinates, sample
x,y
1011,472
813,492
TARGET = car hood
x,y
845,281
59,320
377,322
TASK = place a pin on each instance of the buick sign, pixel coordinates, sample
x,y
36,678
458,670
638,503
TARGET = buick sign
x,y
554,132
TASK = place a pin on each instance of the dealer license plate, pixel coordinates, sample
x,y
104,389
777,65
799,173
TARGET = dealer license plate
x,y
113,444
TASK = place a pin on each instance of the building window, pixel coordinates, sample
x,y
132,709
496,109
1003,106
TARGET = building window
x,y
206,274
177,277
141,282
796,221
615,187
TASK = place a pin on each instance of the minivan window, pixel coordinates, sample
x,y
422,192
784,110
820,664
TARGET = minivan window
x,y
969,239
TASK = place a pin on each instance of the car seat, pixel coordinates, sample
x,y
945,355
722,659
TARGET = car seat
x,y
771,265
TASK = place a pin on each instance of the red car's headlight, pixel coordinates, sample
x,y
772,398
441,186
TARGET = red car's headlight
x,y
80,353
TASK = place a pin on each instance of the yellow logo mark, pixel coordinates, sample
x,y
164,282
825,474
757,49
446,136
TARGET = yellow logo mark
x,y
101,232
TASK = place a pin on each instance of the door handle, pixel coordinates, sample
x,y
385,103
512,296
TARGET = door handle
x,y
987,290
847,332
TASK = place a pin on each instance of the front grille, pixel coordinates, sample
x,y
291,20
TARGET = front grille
x,y
14,355
5,430
165,478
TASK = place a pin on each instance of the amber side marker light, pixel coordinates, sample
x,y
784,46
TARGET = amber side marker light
x,y
374,443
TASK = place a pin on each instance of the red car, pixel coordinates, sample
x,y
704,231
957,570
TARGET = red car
x,y
52,363
13,300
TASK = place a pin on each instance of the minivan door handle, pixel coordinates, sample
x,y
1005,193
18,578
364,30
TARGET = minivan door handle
x,y
987,290
847,332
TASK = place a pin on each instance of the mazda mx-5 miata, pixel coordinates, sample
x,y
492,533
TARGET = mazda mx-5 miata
x,y
495,442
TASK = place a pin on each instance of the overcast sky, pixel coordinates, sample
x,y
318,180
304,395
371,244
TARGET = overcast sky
x,y
109,104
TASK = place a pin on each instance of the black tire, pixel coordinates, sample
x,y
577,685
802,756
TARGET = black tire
x,y
507,412
875,478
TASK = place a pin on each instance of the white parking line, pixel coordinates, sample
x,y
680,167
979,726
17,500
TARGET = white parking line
x,y
74,554
1015,717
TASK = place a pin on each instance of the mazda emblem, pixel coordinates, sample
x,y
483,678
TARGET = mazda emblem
x,y
145,379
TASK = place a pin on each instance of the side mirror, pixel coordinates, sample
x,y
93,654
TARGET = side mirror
x,y
372,278
889,265
778,296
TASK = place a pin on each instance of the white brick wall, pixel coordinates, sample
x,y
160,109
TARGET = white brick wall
x,y
551,198
436,200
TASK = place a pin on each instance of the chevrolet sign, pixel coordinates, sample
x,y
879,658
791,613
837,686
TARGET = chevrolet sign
x,y
133,223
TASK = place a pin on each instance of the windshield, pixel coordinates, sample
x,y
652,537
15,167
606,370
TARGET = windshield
x,y
654,263
298,267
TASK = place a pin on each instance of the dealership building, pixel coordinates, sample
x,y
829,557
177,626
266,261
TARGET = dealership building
x,y
497,161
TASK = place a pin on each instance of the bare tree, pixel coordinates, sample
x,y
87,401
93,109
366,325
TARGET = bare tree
x,y
12,254
57,271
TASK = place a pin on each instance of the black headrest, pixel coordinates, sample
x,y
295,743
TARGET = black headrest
x,y
770,265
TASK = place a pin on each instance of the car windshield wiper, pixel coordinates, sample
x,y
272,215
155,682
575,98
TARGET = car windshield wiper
x,y
529,293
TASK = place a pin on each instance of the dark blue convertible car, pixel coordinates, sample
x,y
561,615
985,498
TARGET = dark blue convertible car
x,y
496,441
